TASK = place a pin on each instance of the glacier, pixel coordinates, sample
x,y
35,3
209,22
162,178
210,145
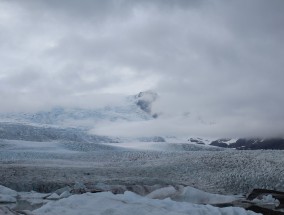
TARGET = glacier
x,y
49,150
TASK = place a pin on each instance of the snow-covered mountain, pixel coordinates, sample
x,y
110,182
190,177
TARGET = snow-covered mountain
x,y
73,124
235,143
133,108
250,143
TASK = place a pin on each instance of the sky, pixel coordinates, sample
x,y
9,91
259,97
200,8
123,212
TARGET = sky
x,y
216,65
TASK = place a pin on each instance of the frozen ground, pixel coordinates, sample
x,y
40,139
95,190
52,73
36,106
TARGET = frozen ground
x,y
46,166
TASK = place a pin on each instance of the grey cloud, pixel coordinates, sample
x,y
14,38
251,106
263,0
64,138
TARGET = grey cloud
x,y
220,60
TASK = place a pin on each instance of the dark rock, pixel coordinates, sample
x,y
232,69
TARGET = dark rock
x,y
264,211
219,144
259,192
197,141
193,140
144,105
252,144
145,100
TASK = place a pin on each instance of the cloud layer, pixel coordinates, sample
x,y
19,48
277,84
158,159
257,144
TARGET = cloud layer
x,y
220,62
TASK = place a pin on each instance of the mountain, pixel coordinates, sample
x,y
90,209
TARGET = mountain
x,y
17,131
145,100
250,143
239,143
73,124
133,108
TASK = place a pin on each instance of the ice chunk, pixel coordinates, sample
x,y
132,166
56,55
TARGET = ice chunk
x,y
65,194
162,193
267,199
62,190
54,196
128,204
79,185
193,195
6,211
7,199
7,191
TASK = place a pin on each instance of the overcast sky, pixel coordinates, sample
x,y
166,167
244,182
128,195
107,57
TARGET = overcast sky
x,y
217,65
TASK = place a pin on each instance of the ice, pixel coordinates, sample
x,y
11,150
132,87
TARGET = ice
x,y
7,199
6,211
162,193
267,199
65,194
7,191
193,195
33,197
106,203
54,196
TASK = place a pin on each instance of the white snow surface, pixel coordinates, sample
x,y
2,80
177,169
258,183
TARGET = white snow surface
x,y
106,203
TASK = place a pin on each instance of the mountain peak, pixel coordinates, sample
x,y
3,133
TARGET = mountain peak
x,y
144,101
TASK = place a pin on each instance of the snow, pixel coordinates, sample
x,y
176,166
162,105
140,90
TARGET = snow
x,y
79,117
106,203
230,141
38,150
205,140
